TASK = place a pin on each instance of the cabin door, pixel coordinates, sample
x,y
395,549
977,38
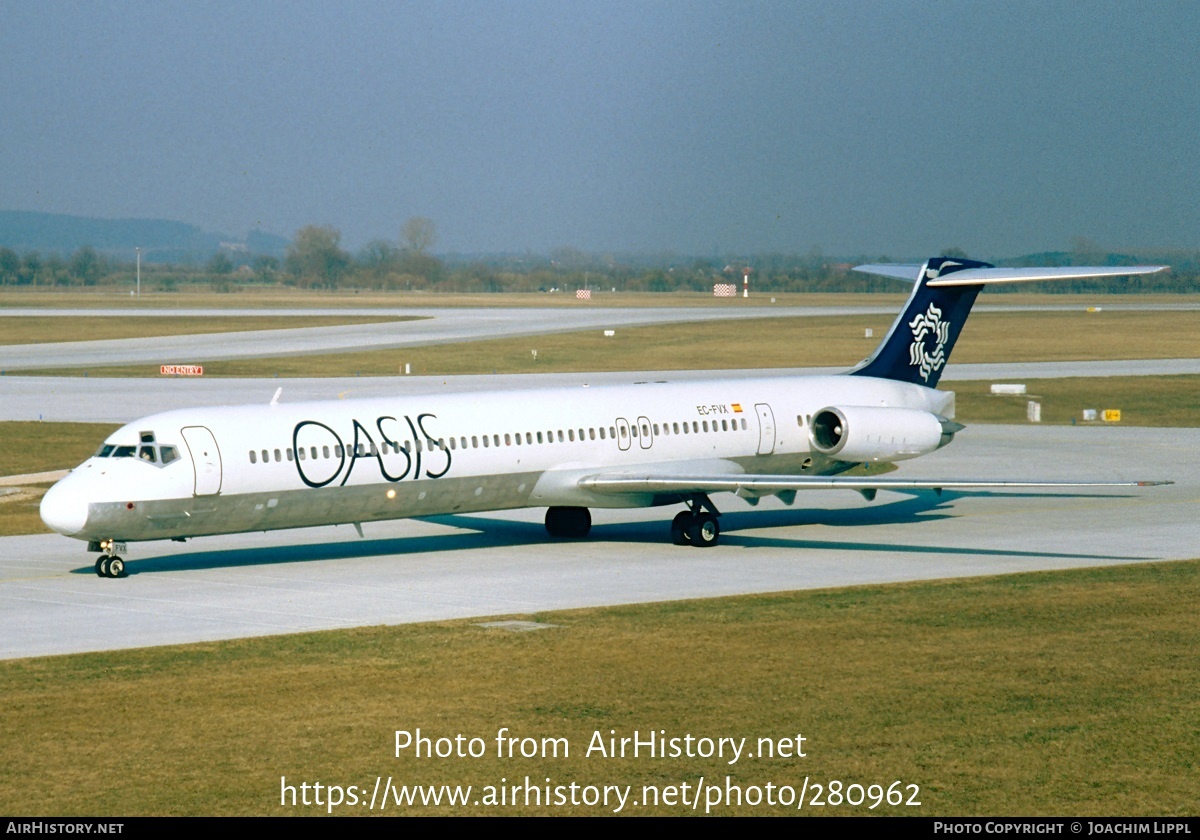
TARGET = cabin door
x,y
206,459
766,429
646,437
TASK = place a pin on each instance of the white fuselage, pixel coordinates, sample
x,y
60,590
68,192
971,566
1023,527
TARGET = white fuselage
x,y
263,467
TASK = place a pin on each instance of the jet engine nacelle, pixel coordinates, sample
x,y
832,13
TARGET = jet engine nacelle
x,y
871,433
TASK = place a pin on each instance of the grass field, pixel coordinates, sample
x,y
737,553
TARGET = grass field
x,y
1142,400
750,343
1052,693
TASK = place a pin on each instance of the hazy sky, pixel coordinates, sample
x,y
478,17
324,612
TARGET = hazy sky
x,y
698,127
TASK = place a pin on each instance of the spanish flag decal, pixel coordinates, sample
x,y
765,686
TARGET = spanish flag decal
x,y
737,408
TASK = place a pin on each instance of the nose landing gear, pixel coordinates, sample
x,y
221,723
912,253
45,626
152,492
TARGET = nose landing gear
x,y
109,564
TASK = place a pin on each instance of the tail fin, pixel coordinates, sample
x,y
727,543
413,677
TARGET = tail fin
x,y
918,345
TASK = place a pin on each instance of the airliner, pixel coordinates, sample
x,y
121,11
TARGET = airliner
x,y
234,469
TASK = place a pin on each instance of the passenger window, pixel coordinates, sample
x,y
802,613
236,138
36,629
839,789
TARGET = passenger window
x,y
540,440
601,433
253,457
485,441
496,439
507,439
571,435
289,453
325,451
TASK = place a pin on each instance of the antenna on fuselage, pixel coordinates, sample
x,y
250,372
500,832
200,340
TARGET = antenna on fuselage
x,y
275,399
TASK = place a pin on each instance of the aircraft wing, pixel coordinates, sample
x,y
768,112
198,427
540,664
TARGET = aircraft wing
x,y
767,485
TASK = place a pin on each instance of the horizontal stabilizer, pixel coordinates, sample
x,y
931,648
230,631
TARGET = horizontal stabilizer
x,y
766,485
983,276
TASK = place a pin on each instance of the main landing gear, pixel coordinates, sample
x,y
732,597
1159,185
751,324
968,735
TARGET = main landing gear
x,y
696,526
108,564
569,522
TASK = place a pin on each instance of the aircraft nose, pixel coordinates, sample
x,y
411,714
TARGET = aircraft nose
x,y
65,508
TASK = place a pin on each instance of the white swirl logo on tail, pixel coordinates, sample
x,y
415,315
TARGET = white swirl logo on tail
x,y
929,323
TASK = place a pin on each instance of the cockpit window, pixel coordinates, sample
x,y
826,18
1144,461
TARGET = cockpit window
x,y
147,452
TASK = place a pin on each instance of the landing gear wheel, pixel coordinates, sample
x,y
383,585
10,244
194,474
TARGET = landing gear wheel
x,y
102,566
679,527
571,522
703,530
116,567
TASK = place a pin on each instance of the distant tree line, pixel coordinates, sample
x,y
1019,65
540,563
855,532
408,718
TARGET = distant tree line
x,y
316,260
